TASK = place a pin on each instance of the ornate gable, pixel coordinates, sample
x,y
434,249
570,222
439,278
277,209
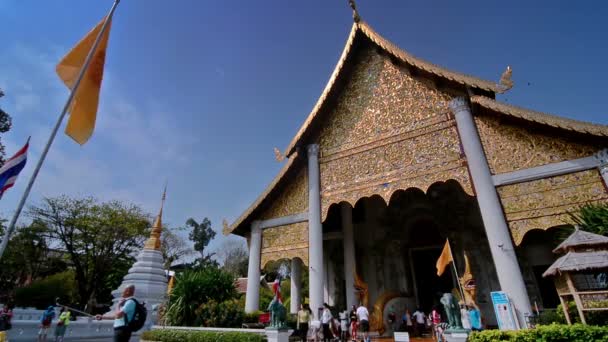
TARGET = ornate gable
x,y
386,131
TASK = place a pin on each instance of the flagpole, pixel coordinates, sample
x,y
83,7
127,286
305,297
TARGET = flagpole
x,y
26,193
456,271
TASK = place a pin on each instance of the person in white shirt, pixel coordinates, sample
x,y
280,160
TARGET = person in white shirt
x,y
363,317
326,319
420,318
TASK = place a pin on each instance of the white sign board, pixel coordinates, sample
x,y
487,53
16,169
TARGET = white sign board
x,y
401,337
505,316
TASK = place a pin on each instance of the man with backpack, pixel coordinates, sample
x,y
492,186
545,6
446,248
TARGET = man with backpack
x,y
129,317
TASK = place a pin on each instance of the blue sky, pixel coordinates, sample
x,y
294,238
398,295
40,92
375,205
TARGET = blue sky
x,y
199,92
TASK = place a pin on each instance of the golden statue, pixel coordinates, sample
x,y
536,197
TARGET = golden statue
x,y
467,282
361,289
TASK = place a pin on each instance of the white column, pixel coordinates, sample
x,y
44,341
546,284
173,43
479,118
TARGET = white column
x,y
252,297
349,253
315,232
602,157
296,285
497,231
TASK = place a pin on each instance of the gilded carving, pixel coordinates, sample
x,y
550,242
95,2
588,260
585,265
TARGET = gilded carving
x,y
292,200
387,131
285,242
380,99
545,203
509,147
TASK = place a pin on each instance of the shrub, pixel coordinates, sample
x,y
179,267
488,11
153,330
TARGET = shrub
x,y
195,287
226,314
170,335
42,293
592,317
552,332
253,317
549,316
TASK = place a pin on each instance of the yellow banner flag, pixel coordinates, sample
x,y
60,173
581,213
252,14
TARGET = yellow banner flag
x,y
83,110
444,259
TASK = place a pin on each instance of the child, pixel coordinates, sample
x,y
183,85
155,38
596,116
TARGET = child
x,y
62,324
45,323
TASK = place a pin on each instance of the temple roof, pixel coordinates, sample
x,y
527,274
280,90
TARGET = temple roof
x,y
245,216
361,28
578,261
581,239
541,118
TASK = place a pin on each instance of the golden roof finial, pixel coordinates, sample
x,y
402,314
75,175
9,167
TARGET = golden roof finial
x,y
356,16
153,241
506,82
278,155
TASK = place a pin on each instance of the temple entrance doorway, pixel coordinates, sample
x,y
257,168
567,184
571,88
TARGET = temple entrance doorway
x,y
429,286
396,246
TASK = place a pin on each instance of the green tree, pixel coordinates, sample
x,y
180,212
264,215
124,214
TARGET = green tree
x,y
201,234
28,258
173,246
235,258
95,236
5,126
592,218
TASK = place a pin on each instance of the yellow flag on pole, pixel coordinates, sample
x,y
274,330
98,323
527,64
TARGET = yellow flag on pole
x,y
444,259
83,110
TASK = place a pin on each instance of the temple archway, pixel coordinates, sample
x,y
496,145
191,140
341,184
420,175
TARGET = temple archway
x,y
397,242
535,256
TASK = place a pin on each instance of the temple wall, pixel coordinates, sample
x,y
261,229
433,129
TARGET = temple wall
x,y
293,199
288,241
387,131
510,147
285,242
545,203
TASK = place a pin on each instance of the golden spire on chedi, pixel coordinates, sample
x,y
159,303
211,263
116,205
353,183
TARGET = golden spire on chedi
x,y
153,241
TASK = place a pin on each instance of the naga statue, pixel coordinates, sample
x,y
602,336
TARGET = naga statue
x,y
361,289
467,282
450,304
278,313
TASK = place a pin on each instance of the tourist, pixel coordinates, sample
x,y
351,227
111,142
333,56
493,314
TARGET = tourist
x,y
363,318
45,323
343,325
435,323
124,309
475,319
62,324
392,321
464,317
326,319
6,314
353,323
407,322
303,321
420,319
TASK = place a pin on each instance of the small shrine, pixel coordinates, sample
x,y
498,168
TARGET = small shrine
x,y
148,272
582,273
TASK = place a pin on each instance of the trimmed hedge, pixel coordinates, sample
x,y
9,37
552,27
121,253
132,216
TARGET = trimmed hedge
x,y
168,335
552,333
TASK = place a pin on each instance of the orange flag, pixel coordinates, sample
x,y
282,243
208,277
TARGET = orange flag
x,y
83,109
444,259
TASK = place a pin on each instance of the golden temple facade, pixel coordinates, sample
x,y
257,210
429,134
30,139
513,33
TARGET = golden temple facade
x,y
388,122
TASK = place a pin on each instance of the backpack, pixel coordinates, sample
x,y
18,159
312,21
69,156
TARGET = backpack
x,y
139,316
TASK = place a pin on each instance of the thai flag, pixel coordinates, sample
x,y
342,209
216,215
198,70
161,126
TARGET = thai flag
x,y
12,167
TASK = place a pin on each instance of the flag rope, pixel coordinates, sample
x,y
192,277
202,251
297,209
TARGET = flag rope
x,y
26,193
